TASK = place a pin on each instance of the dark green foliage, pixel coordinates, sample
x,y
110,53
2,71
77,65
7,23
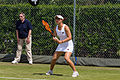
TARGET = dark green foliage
x,y
98,32
42,40
97,28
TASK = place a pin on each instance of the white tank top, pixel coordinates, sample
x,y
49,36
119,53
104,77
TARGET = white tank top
x,y
61,33
66,46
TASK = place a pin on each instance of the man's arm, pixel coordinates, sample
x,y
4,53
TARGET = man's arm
x,y
29,34
17,36
28,38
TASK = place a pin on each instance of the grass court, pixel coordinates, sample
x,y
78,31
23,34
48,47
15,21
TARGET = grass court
x,y
24,71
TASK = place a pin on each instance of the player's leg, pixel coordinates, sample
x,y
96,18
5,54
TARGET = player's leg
x,y
28,51
18,52
54,59
67,58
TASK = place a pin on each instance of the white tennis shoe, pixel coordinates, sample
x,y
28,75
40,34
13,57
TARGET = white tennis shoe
x,y
30,62
75,74
49,72
14,62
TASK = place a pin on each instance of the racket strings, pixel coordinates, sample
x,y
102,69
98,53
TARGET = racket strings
x,y
47,27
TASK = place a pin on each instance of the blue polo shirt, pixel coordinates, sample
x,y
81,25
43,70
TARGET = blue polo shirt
x,y
23,28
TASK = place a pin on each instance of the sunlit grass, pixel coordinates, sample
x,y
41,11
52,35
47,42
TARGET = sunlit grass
x,y
61,72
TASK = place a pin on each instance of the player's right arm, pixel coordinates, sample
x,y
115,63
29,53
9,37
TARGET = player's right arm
x,y
55,38
55,35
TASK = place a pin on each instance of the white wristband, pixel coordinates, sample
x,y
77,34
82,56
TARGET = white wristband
x,y
55,37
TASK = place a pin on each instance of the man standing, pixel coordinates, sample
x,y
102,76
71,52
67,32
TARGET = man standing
x,y
23,32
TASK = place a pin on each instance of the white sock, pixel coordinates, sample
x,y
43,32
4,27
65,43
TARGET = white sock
x,y
74,71
50,70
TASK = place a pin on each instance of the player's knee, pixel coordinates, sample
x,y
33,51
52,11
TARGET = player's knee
x,y
54,59
67,58
19,49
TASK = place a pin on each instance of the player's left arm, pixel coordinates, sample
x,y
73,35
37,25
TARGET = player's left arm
x,y
68,33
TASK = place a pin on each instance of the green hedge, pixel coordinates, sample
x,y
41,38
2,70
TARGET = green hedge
x,y
42,40
97,28
98,33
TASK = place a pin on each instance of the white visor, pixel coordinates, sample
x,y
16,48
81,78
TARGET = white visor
x,y
59,16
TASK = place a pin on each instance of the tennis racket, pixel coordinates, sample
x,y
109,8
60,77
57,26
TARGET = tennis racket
x,y
47,27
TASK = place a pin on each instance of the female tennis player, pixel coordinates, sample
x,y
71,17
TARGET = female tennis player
x,y
65,45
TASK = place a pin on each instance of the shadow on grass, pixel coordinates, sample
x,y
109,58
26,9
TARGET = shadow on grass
x,y
45,74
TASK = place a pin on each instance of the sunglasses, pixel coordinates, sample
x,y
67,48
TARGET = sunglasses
x,y
20,16
57,18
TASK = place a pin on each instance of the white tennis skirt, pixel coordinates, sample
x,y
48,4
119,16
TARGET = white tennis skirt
x,y
65,47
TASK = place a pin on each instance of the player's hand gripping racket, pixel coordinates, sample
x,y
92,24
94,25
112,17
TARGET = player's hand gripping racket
x,y
47,27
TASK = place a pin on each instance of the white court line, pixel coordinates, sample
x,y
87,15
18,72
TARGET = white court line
x,y
21,78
